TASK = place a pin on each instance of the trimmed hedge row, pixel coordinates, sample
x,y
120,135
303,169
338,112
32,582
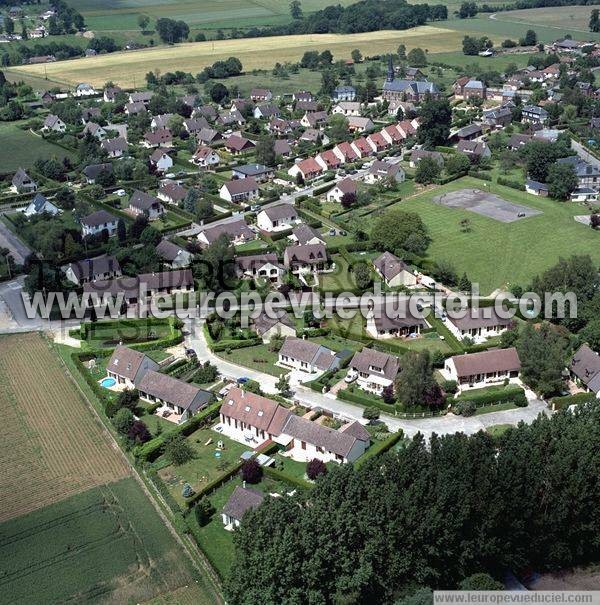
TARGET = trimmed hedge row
x,y
562,403
218,347
511,393
511,184
478,174
380,447
365,400
323,188
281,476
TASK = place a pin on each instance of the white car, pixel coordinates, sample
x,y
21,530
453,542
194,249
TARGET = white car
x,y
351,376
121,192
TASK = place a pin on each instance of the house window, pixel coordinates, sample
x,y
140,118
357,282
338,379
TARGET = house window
x,y
303,445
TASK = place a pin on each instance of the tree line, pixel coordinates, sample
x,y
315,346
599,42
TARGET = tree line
x,y
429,517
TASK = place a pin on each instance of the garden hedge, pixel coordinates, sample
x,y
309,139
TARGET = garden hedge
x,y
380,447
562,403
512,393
365,400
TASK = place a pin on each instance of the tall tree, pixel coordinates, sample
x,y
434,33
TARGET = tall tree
x,y
436,117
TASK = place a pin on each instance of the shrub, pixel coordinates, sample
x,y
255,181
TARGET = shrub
x,y
138,432
450,386
203,511
252,471
123,420
178,451
315,468
465,408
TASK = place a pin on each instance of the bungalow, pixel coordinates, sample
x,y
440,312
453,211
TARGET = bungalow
x,y
236,144
114,148
53,123
584,369
309,169
277,218
394,323
536,188
328,160
360,124
94,130
141,97
194,125
479,369
362,148
344,187
394,271
161,160
162,137
584,194
22,182
93,269
93,171
304,259
303,234
468,133
171,192
128,366
144,204
374,370
479,324
208,136
261,94
343,93
382,171
532,114
267,327
178,400
257,171
229,118
347,108
172,255
237,230
206,157
39,205
206,111
242,500
99,221
345,152
161,121
143,287
259,266
307,356
239,190
315,119
418,154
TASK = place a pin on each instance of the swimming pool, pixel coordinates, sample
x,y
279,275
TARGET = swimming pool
x,y
108,382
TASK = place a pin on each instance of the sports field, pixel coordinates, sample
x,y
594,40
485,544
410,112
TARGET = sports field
x,y
129,68
52,447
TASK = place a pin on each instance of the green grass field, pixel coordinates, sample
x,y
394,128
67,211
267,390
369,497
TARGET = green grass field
x,y
257,358
22,147
496,254
104,545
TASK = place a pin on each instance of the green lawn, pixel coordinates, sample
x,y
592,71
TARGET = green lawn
x,y
496,254
205,466
498,429
430,341
498,407
255,245
111,333
257,358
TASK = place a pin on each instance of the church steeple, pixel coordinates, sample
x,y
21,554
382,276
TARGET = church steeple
x,y
390,70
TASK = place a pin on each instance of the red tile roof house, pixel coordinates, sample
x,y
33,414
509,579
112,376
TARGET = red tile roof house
x,y
128,367
141,203
476,370
378,142
206,157
238,231
277,218
392,135
240,190
306,259
178,400
345,152
252,419
147,285
328,160
341,188
362,148
309,169
374,370
478,324
236,144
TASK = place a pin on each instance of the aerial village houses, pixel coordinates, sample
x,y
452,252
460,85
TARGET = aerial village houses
x,y
344,187
240,190
382,324
478,324
268,327
39,204
394,271
374,370
206,157
173,255
307,356
144,204
304,259
99,221
239,503
259,266
480,369
277,218
93,269
237,230
22,182
584,369
128,366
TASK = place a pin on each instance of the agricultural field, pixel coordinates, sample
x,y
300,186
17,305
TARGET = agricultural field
x,y
261,53
51,442
497,254
22,147
576,18
106,545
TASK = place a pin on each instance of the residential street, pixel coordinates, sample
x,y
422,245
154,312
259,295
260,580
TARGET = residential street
x,y
427,426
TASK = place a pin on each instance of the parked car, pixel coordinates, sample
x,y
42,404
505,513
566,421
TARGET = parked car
x,y
351,376
121,192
